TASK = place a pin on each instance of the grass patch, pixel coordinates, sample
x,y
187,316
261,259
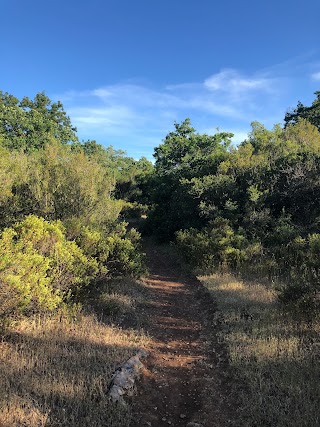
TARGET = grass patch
x,y
275,356
118,302
55,371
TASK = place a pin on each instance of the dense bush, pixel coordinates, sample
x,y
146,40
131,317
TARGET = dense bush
x,y
55,182
134,210
115,248
215,246
39,267
301,289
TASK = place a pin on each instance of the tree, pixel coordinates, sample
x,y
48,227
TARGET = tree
x,y
55,182
185,153
184,156
312,113
31,124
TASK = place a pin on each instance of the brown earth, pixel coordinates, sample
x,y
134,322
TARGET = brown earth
x,y
187,377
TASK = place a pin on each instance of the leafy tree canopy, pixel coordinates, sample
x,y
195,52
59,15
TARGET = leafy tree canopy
x,y
30,124
312,113
185,153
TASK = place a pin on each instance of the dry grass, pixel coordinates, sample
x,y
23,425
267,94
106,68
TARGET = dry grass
x,y
276,358
55,372
119,302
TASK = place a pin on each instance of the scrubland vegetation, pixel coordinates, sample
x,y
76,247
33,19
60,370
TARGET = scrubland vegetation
x,y
62,232
254,209
66,251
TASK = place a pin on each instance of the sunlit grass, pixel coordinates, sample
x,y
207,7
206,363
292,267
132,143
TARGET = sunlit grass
x,y
275,356
56,371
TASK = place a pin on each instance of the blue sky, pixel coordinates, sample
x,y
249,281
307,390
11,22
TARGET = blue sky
x,y
126,70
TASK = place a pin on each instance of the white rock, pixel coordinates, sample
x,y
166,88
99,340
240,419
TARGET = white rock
x,y
123,379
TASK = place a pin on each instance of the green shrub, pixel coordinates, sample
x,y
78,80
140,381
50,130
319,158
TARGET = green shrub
x,y
39,267
125,257
116,250
134,210
216,245
301,290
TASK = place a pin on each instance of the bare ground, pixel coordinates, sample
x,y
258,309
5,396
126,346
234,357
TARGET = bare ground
x,y
187,376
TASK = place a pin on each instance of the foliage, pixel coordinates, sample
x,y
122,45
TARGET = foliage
x,y
183,156
129,176
39,267
55,182
312,113
60,221
301,292
116,250
31,124
134,210
217,245
244,208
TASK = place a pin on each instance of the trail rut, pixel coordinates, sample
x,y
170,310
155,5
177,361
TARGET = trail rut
x,y
187,376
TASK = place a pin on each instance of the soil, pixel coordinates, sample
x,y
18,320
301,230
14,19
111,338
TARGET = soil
x,y
187,377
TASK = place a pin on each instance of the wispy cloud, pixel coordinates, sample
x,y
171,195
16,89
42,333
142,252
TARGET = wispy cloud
x,y
231,81
126,103
112,116
134,115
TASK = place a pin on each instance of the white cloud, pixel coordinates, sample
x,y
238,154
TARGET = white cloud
x,y
229,80
101,93
316,76
134,94
226,94
239,134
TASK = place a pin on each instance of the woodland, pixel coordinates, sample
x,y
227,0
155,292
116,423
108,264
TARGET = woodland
x,y
252,208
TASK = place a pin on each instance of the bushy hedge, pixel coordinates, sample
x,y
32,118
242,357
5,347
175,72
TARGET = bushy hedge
x,y
115,248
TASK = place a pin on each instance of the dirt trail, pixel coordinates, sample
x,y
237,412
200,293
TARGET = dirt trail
x,y
187,375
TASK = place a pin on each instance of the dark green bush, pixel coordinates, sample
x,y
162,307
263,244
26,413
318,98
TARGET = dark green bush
x,y
216,245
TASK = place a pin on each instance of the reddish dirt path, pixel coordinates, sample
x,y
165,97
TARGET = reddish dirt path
x,y
186,376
